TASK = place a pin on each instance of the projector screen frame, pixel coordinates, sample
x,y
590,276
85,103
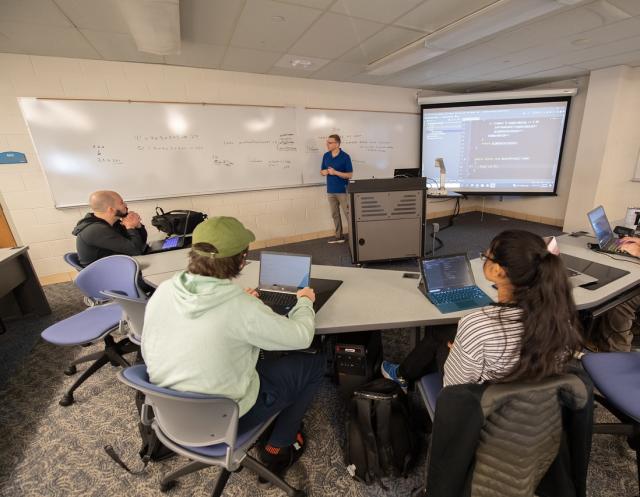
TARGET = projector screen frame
x,y
503,101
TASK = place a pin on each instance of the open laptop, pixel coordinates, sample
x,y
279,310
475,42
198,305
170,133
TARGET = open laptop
x,y
607,242
174,242
449,283
281,276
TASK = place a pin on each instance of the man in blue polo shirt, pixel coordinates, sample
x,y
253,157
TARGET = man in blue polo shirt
x,y
336,166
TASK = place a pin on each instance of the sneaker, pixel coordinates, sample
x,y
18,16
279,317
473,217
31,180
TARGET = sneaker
x,y
390,371
279,459
336,240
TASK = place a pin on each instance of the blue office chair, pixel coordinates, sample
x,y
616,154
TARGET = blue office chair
x,y
117,273
73,260
616,375
133,313
429,387
202,428
503,439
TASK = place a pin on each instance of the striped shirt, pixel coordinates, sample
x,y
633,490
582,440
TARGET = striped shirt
x,y
487,346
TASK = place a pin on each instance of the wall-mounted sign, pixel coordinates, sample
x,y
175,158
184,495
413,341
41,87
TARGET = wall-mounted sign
x,y
12,158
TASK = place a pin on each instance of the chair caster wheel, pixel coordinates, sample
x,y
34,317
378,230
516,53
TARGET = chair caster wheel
x,y
66,400
165,487
71,370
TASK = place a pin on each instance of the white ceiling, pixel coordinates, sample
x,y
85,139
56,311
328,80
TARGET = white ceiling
x,y
339,38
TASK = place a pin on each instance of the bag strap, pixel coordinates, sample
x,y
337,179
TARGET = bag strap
x,y
383,420
145,459
365,422
146,417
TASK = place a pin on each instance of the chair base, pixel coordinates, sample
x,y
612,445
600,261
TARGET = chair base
x,y
112,353
170,480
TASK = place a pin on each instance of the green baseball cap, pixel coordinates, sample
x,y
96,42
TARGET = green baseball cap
x,y
226,234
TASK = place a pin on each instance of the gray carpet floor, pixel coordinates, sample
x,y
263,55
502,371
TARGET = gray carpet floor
x,y
49,450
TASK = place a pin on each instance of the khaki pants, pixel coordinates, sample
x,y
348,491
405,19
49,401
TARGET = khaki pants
x,y
337,200
614,333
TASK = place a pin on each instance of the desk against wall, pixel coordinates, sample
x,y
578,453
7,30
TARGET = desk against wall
x,y
20,290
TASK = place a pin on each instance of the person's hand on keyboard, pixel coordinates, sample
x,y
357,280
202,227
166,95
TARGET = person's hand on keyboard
x,y
630,245
252,291
307,292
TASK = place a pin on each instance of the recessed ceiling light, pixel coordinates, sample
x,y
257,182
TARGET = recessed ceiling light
x,y
301,63
580,41
277,19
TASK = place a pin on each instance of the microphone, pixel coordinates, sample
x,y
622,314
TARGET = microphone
x,y
439,163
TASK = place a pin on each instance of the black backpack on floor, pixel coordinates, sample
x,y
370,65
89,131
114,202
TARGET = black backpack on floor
x,y
151,448
380,438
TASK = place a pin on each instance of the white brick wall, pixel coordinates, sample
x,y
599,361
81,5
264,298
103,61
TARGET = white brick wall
x,y
272,214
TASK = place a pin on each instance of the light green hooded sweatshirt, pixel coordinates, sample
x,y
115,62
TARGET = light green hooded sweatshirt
x,y
203,334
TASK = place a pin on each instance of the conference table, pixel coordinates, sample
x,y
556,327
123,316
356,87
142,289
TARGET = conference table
x,y
378,299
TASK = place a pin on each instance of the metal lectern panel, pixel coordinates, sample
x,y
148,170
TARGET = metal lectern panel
x,y
388,239
376,206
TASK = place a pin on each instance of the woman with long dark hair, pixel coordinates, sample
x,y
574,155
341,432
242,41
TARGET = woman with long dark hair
x,y
529,334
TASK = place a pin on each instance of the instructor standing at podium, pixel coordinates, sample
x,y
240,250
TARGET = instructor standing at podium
x,y
336,166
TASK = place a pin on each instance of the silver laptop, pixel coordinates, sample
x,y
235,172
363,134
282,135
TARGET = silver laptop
x,y
607,242
281,276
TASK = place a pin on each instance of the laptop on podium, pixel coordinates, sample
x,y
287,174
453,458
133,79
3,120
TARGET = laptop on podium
x,y
449,283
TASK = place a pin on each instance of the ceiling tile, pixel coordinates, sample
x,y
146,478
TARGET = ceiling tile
x,y
629,6
288,71
33,11
197,55
435,14
558,72
38,39
104,15
249,60
316,4
302,65
208,21
338,71
550,28
380,44
332,35
374,10
628,58
116,46
257,29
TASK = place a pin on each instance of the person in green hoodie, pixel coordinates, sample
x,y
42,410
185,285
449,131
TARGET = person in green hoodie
x,y
202,333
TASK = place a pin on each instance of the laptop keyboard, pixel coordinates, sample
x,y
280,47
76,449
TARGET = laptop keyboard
x,y
457,295
278,299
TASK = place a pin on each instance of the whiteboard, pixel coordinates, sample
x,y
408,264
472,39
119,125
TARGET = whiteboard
x,y
378,142
148,150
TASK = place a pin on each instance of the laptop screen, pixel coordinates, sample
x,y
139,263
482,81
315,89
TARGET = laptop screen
x,y
601,226
444,273
279,270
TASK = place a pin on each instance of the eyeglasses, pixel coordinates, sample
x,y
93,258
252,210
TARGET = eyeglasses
x,y
484,257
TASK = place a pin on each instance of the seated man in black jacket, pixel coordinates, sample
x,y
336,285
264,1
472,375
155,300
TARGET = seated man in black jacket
x,y
110,229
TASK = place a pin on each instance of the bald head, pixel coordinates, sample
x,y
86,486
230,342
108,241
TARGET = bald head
x,y
100,201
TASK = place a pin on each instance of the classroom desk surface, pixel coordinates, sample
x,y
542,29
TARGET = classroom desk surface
x,y
374,299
